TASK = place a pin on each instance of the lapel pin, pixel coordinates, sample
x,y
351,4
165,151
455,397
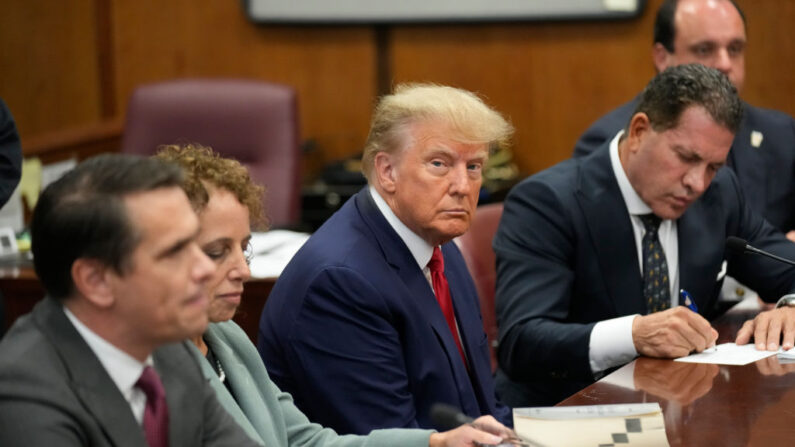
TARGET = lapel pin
x,y
756,138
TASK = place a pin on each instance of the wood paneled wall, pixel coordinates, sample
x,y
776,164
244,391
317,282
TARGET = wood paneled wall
x,y
72,64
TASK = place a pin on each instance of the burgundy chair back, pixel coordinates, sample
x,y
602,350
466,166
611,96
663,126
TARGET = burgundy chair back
x,y
475,245
254,122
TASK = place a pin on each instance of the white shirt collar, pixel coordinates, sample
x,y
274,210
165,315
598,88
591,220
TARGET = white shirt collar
x,y
635,205
420,250
121,367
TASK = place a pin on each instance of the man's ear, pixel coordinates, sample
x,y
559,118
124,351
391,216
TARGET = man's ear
x,y
661,57
385,172
92,280
639,125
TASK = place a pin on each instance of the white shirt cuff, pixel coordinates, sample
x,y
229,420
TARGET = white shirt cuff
x,y
611,343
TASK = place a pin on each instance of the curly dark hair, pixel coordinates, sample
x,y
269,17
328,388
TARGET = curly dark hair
x,y
204,167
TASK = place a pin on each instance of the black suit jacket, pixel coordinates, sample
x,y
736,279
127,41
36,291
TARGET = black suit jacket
x,y
55,392
766,173
10,154
566,259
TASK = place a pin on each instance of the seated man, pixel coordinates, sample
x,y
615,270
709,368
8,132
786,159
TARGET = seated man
x,y
592,253
712,32
376,317
97,362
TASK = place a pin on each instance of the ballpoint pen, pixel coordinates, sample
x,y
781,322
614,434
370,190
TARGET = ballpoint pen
x,y
687,300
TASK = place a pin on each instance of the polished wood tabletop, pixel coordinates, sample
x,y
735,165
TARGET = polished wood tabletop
x,y
21,290
709,405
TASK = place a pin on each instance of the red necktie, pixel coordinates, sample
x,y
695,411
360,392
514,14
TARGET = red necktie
x,y
156,411
442,291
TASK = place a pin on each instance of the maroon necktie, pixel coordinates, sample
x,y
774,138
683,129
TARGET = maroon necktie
x,y
442,291
156,411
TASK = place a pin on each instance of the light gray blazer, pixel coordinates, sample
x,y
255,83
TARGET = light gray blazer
x,y
266,413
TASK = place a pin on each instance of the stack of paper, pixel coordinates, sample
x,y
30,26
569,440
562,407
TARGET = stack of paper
x,y
592,425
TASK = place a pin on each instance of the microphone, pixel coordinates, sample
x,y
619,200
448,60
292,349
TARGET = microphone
x,y
447,417
741,246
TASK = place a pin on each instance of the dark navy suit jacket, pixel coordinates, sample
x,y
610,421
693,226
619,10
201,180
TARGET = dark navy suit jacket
x,y
766,173
10,154
353,331
566,259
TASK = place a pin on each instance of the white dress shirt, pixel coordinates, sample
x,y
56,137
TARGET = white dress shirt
x,y
121,367
611,340
420,250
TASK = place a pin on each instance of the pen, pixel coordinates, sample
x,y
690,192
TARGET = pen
x,y
687,300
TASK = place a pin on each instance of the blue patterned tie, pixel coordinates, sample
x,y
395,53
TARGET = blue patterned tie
x,y
656,286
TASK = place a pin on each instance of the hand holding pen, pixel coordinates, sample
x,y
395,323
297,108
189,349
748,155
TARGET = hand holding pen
x,y
686,300
672,333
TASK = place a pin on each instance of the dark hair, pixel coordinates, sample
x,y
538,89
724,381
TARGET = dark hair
x,y
667,96
664,29
82,215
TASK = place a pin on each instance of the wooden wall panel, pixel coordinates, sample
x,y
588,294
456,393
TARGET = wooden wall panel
x,y
49,75
333,68
554,79
770,56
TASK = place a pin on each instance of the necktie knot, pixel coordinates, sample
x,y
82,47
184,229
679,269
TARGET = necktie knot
x,y
651,223
436,264
150,384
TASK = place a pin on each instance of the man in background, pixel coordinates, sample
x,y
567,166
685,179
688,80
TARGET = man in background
x,y
376,318
99,361
713,33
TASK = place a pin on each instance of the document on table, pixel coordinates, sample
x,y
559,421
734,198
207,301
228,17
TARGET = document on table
x,y
728,354
592,425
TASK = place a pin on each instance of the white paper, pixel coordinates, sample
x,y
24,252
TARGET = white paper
x,y
639,424
273,250
728,354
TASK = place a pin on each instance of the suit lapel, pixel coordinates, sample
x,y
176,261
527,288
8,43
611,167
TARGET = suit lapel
x,y
610,230
701,231
749,165
399,257
91,383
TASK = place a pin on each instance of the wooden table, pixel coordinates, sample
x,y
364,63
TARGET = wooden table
x,y
21,290
710,405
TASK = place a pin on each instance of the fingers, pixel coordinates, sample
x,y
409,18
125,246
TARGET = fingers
x,y
672,333
490,425
745,333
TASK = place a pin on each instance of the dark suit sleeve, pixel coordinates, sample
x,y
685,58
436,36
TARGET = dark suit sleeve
x,y
10,155
770,279
37,424
535,248
346,356
604,129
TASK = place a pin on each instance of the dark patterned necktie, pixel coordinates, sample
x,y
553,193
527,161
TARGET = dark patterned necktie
x,y
656,284
156,411
442,291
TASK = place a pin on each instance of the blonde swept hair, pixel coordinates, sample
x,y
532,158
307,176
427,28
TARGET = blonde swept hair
x,y
204,168
469,119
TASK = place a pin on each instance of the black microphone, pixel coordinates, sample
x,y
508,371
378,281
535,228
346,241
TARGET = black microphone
x,y
741,246
447,417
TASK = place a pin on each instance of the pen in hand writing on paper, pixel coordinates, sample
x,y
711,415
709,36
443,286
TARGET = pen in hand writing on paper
x,y
686,300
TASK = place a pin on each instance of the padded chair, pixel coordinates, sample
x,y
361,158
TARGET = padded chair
x,y
475,245
253,122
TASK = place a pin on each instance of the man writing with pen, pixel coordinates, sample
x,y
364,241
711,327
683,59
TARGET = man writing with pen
x,y
592,253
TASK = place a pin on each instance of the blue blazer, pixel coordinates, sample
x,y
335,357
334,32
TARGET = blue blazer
x,y
566,259
766,173
10,154
353,331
